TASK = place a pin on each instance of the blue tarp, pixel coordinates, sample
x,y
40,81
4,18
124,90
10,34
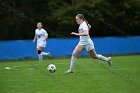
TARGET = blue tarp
x,y
64,47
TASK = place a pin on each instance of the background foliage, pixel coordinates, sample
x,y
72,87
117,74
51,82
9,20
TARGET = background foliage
x,y
107,17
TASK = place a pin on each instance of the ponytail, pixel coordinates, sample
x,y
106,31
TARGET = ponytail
x,y
89,26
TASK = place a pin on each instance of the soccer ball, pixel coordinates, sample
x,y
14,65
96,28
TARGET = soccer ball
x,y
51,68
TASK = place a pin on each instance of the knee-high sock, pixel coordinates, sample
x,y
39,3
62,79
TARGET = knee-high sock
x,y
40,57
73,60
44,53
102,57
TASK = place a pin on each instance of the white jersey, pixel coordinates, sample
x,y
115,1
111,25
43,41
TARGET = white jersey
x,y
84,39
41,35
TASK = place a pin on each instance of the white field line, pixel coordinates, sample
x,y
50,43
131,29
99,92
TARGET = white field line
x,y
16,68
31,67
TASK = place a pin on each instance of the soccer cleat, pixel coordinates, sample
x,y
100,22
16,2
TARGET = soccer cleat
x,y
69,71
109,61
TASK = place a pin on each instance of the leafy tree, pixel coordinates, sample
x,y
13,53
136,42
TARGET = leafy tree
x,y
18,18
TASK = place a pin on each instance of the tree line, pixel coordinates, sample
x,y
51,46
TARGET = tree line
x,y
18,18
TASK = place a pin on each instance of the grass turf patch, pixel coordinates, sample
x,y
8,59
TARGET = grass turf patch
x,y
90,76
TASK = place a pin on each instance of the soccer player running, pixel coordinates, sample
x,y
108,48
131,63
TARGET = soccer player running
x,y
85,43
41,35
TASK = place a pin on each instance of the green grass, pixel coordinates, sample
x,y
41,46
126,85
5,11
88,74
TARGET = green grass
x,y
91,76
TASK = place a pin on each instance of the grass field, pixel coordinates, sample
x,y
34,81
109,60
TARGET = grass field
x,y
91,76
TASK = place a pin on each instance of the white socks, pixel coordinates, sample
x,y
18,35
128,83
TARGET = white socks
x,y
73,60
102,57
40,57
44,54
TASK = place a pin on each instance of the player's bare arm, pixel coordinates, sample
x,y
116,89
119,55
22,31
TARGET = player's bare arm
x,y
34,38
84,33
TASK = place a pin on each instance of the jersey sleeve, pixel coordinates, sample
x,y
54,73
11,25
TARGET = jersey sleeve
x,y
45,33
85,27
35,32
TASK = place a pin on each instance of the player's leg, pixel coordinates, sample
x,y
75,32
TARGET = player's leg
x,y
75,53
44,53
39,50
94,55
91,50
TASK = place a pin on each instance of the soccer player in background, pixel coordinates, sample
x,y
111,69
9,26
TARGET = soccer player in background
x,y
85,43
41,35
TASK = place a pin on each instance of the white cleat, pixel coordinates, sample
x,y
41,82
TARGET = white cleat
x,y
69,71
109,61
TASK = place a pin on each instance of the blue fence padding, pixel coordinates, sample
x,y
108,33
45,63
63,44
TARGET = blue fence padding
x,y
64,47
117,45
